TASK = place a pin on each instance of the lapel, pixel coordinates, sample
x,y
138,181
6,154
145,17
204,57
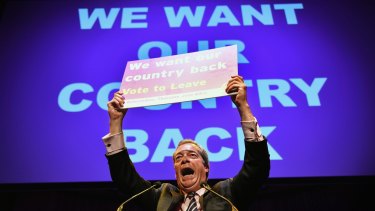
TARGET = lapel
x,y
202,197
169,200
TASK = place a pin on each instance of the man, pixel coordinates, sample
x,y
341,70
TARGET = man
x,y
191,165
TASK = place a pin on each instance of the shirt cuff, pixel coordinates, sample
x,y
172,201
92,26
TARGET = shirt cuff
x,y
114,143
251,131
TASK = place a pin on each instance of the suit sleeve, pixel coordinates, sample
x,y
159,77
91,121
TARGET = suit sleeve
x,y
126,178
254,172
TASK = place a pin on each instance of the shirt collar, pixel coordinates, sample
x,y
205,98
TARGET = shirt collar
x,y
200,192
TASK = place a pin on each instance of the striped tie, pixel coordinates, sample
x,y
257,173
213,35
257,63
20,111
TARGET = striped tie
x,y
193,203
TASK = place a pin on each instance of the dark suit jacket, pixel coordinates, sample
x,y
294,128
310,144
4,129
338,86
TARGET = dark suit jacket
x,y
240,190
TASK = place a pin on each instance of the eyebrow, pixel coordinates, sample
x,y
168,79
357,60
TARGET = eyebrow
x,y
181,152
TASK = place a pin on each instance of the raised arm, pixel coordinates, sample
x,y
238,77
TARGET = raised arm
x,y
123,172
114,139
256,166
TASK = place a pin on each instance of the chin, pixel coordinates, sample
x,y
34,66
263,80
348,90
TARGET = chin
x,y
191,185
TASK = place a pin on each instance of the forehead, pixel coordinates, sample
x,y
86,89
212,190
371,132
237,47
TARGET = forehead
x,y
187,147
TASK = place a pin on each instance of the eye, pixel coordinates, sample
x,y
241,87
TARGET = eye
x,y
193,155
178,157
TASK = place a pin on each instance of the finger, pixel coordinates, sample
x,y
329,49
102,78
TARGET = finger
x,y
120,100
119,95
232,88
114,103
231,84
120,92
110,104
237,77
237,87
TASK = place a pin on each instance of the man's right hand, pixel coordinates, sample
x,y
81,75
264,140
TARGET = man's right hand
x,y
237,84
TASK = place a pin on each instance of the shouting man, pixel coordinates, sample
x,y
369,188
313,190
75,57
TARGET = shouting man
x,y
192,166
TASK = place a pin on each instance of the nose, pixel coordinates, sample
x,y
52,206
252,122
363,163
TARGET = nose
x,y
185,159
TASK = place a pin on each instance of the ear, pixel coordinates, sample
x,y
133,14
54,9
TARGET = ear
x,y
206,169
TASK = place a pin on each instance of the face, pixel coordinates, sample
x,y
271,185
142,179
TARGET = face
x,y
189,168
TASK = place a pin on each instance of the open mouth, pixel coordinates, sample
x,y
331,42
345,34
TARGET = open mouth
x,y
187,172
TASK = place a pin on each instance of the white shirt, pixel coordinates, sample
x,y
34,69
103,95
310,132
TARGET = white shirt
x,y
186,202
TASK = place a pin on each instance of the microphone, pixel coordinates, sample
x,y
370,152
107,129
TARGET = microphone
x,y
156,185
205,186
